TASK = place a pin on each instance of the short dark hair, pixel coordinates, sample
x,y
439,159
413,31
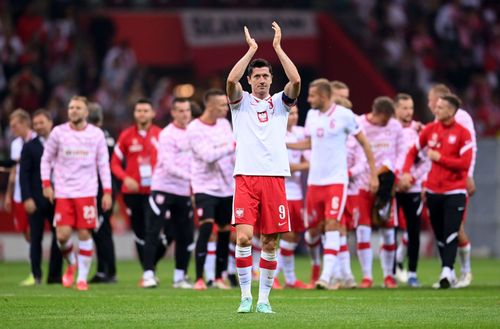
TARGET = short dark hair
x,y
196,110
211,93
402,97
383,105
453,100
143,100
258,63
43,112
179,100
96,115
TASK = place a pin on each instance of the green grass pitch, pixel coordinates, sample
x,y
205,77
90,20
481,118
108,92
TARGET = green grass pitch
x,y
124,305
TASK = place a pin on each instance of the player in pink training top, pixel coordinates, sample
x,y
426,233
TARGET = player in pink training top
x,y
327,126
169,203
387,141
260,122
212,145
73,154
463,118
409,200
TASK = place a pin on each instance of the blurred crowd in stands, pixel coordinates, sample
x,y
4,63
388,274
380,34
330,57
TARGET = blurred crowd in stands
x,y
48,53
417,43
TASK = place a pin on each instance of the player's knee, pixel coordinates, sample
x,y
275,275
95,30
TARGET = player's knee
x,y
84,234
332,225
269,242
63,234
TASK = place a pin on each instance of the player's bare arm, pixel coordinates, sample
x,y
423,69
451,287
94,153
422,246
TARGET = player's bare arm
x,y
302,145
371,161
292,88
303,165
7,204
233,87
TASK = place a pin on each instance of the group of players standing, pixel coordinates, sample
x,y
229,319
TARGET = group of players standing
x,y
249,175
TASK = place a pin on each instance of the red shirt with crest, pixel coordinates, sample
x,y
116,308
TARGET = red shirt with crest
x,y
448,175
135,156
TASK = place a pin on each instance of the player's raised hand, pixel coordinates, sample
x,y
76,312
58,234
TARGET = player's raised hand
x,y
251,41
277,35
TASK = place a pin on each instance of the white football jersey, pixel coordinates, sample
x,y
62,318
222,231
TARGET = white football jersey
x,y
293,184
328,132
259,127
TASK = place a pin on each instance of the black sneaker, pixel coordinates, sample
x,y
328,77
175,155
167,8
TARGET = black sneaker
x,y
99,278
210,284
54,280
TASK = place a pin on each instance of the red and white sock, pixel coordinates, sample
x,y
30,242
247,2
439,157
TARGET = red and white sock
x,y
330,251
365,253
286,260
67,251
313,244
344,258
231,262
402,250
464,254
244,269
256,249
85,249
268,265
388,251
209,267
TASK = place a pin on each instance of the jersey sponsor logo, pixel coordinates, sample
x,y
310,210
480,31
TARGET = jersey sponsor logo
x,y
199,212
281,224
76,153
263,117
452,139
332,123
239,212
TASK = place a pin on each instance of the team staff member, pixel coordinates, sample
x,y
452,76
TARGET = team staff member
x,y
20,125
102,234
132,163
38,208
450,150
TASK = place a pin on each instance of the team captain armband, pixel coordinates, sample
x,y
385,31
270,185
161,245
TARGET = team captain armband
x,y
287,100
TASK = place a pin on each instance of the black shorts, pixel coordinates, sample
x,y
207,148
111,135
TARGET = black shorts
x,y
220,209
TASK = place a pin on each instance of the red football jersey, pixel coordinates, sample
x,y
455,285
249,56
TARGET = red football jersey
x,y
454,143
135,156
